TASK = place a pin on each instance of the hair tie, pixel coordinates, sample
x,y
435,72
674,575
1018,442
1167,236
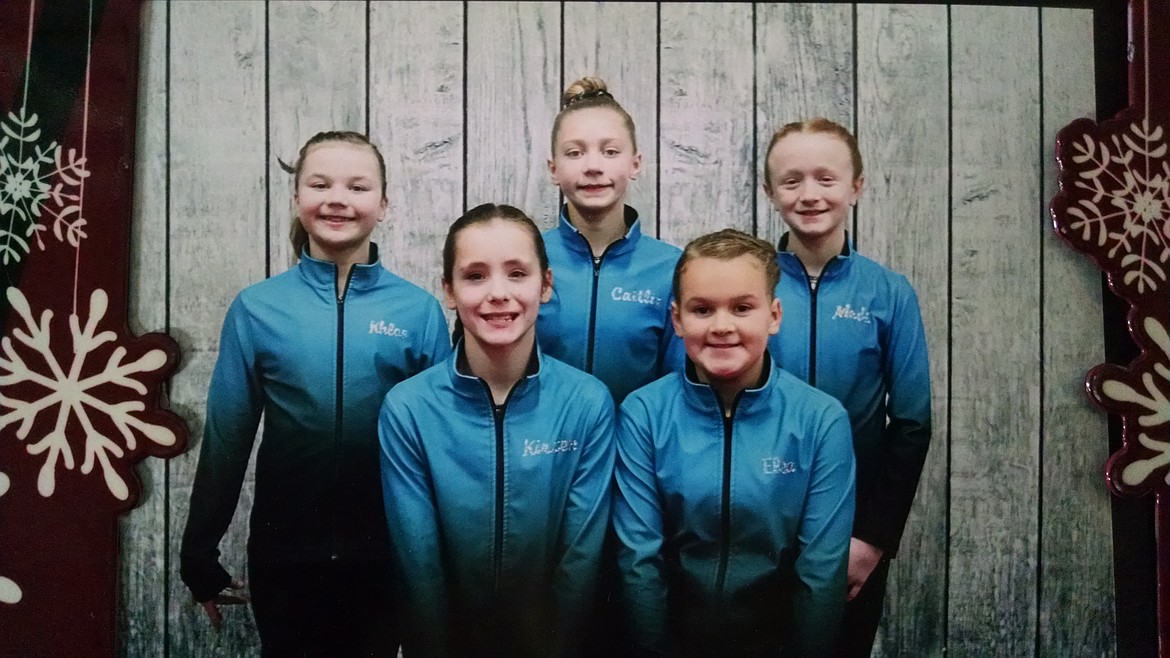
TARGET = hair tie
x,y
592,93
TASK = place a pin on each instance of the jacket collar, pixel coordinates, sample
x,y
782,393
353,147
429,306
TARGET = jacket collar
x,y
323,274
577,243
791,265
468,385
702,396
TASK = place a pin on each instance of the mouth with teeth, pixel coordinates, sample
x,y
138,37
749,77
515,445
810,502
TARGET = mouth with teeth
x,y
499,320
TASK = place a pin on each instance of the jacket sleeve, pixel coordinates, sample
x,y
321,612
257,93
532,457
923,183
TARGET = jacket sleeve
x,y
412,520
637,522
583,526
234,402
672,355
882,512
825,528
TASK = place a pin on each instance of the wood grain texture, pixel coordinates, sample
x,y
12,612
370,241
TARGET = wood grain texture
x,y
705,144
804,69
316,81
416,114
1076,606
1026,498
217,212
513,83
619,43
901,223
144,577
995,314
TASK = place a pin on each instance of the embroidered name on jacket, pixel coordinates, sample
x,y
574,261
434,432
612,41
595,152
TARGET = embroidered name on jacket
x,y
387,329
847,313
620,294
777,466
533,448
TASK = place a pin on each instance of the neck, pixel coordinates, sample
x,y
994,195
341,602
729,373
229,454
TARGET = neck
x,y
500,367
343,259
600,229
727,389
815,253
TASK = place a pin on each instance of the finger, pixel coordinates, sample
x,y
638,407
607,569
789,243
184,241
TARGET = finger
x,y
236,584
853,592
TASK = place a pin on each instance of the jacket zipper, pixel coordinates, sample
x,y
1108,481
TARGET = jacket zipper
x,y
812,330
339,404
812,321
591,335
725,506
498,558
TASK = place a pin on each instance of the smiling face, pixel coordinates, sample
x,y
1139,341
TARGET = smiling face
x,y
812,184
339,200
724,315
497,285
594,160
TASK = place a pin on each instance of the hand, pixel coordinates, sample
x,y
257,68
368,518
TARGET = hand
x,y
226,597
863,557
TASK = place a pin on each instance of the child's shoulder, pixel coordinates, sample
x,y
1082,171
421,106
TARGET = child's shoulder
x,y
655,247
868,269
802,396
560,374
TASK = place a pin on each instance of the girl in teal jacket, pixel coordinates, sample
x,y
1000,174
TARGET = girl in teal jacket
x,y
735,479
609,314
496,465
313,350
853,329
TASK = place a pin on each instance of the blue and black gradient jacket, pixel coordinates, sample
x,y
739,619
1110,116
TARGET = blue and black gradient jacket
x,y
611,317
734,528
497,512
858,336
316,367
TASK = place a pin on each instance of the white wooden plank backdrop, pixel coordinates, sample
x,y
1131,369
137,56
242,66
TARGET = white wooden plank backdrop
x,y
1008,550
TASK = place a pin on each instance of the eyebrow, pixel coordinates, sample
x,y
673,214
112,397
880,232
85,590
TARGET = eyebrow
x,y
741,298
512,262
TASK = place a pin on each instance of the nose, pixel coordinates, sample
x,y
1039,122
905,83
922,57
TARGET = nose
x,y
721,322
335,196
592,162
809,191
497,289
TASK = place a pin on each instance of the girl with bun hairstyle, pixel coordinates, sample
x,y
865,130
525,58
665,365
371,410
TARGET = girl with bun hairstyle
x,y
610,310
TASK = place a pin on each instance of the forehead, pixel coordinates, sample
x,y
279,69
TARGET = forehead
x,y
494,241
330,156
804,150
718,278
592,122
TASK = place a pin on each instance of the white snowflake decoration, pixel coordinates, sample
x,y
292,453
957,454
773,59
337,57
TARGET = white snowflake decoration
x,y
27,199
72,396
1132,177
9,591
1153,400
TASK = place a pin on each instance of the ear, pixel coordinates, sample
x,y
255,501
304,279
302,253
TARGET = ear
x,y
858,184
384,205
768,193
676,319
546,286
777,313
552,171
448,295
636,168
